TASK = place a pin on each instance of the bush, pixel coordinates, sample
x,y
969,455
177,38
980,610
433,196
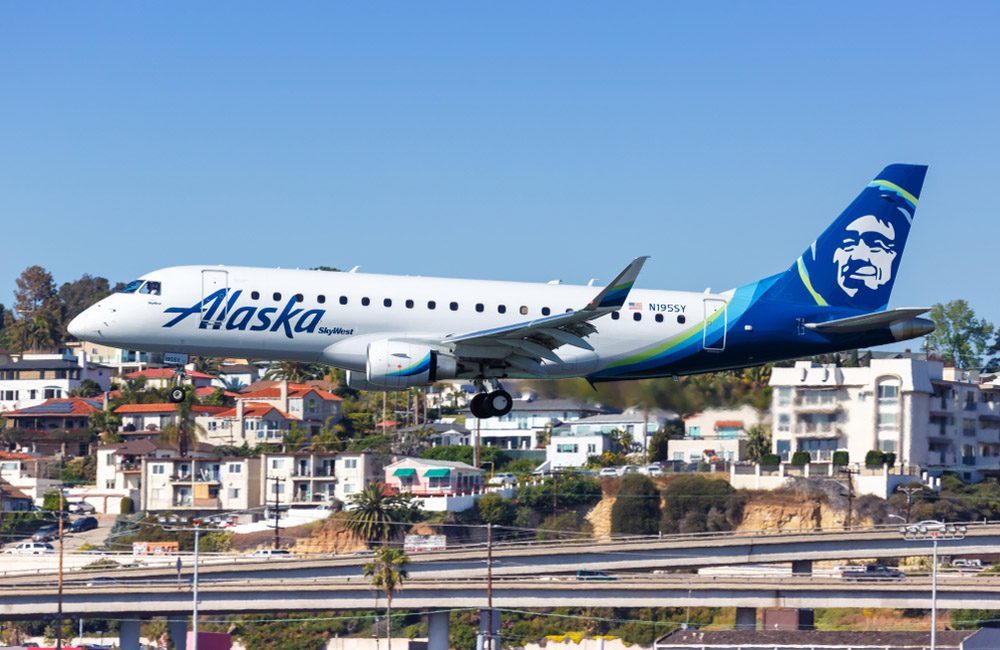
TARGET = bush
x,y
637,507
695,503
571,490
562,526
841,458
127,506
494,509
801,458
50,501
770,460
874,458
889,458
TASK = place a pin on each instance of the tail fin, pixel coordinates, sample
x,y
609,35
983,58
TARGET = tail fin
x,y
854,262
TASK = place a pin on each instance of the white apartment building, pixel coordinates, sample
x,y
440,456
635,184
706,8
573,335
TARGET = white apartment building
x,y
309,478
200,484
528,421
931,417
118,358
567,449
32,475
716,434
29,379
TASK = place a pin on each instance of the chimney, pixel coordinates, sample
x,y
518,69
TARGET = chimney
x,y
239,410
284,395
104,401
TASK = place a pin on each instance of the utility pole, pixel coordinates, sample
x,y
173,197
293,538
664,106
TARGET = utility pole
x,y
848,521
59,609
196,529
277,512
489,586
909,492
475,448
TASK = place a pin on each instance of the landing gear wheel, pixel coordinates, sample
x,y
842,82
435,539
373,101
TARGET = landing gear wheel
x,y
177,394
480,407
499,402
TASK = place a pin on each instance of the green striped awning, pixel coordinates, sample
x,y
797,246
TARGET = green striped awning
x,y
405,472
438,472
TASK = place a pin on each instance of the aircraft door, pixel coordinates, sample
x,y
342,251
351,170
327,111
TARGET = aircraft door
x,y
213,309
713,338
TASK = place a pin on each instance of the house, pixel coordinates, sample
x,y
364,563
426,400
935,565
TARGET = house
x,y
250,423
927,415
31,475
200,484
691,639
437,434
119,359
529,421
236,376
148,420
12,499
716,434
305,478
312,406
163,378
31,378
56,426
573,443
425,477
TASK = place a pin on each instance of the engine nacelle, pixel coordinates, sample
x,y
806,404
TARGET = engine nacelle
x,y
400,364
357,381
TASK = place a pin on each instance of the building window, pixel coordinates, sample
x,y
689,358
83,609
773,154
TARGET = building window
x,y
350,463
235,468
888,446
158,469
784,396
818,397
694,431
277,488
888,393
968,427
784,423
277,463
52,393
591,448
566,449
234,493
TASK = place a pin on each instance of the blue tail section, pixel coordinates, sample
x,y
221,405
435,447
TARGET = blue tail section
x,y
854,262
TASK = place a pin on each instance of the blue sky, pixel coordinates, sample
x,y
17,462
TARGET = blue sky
x,y
510,140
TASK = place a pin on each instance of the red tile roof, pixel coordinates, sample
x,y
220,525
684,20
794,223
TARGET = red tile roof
x,y
12,455
294,390
255,410
205,391
729,424
166,408
54,407
166,373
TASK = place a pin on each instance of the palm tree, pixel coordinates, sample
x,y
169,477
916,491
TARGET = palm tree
x,y
184,430
387,571
295,371
293,438
208,365
375,515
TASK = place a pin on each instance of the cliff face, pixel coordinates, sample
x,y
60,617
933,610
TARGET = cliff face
x,y
329,537
788,512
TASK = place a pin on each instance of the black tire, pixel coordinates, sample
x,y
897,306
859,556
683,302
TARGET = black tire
x,y
480,406
500,402
177,394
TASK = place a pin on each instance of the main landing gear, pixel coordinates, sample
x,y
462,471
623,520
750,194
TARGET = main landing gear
x,y
495,403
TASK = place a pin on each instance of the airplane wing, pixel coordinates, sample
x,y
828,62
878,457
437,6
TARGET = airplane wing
x,y
524,345
865,322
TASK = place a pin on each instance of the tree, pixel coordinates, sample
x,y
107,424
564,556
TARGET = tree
x,y
293,438
959,337
637,507
76,296
758,442
387,571
494,509
38,309
295,371
87,388
183,431
688,501
658,446
375,514
208,365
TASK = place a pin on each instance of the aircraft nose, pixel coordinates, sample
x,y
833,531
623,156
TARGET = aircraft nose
x,y
88,324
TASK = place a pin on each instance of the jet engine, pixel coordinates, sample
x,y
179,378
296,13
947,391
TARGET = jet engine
x,y
399,364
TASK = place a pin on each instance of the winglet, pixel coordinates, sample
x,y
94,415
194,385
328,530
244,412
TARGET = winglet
x,y
613,296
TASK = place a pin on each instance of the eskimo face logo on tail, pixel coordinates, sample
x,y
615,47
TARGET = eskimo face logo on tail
x,y
865,257
220,311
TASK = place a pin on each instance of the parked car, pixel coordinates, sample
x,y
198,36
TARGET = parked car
x,y
81,507
653,469
594,575
31,548
874,572
82,524
608,472
45,533
279,553
628,469
966,564
503,478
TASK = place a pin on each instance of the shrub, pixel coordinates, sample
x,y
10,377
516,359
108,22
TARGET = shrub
x,y
494,509
841,458
889,458
801,458
50,501
691,500
127,506
561,526
874,458
770,460
637,508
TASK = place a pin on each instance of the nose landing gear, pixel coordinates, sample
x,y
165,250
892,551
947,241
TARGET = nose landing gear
x,y
495,403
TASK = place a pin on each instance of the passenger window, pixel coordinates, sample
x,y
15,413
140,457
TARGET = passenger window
x,y
321,299
523,310
131,287
409,304
659,318
387,302
501,309
681,319
546,311
431,304
343,300
366,301
479,307
254,295
453,306
636,316
615,315
299,297
276,296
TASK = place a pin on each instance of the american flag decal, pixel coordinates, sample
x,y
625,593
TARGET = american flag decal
x,y
635,306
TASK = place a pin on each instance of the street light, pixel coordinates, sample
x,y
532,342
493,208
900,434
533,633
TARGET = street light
x,y
196,528
933,531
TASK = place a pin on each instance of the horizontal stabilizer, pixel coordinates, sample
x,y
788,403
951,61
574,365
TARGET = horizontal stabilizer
x,y
866,322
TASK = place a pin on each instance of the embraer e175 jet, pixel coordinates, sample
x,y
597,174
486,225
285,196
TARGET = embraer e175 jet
x,y
393,332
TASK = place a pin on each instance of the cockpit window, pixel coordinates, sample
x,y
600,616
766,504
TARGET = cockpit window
x,y
131,287
151,287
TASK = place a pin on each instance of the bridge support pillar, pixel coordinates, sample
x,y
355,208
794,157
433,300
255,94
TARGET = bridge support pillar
x,y
128,635
489,626
807,619
438,631
178,633
802,567
746,618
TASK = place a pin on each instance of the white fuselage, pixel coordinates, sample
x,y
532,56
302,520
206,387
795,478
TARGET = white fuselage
x,y
254,312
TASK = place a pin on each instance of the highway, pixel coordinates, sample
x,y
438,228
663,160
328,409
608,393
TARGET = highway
x,y
230,597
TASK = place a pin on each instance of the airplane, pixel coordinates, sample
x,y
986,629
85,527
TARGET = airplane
x,y
393,332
